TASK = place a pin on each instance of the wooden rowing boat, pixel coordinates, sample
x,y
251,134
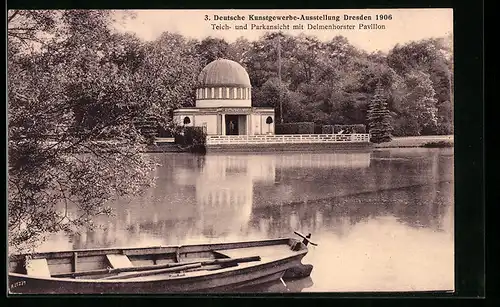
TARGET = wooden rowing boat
x,y
217,267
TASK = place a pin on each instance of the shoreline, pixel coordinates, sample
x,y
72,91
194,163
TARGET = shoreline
x,y
434,141
425,141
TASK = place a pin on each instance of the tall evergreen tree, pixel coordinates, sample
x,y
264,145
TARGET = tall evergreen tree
x,y
379,118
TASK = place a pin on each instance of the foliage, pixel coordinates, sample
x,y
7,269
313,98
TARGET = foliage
x,y
439,144
359,128
425,65
72,144
295,128
210,49
418,105
327,129
191,136
379,118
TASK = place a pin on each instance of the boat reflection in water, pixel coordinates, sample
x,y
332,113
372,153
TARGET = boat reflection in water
x,y
295,285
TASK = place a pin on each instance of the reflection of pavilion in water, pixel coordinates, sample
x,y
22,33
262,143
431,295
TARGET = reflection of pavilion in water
x,y
224,191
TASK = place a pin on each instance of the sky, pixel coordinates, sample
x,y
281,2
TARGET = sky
x,y
404,26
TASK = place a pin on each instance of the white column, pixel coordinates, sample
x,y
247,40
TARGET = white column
x,y
248,125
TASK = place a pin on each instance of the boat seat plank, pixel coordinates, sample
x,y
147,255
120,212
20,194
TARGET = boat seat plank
x,y
119,261
37,267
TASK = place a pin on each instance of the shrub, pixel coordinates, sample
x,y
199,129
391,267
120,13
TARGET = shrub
x,y
327,129
439,144
191,136
295,128
406,127
445,128
359,128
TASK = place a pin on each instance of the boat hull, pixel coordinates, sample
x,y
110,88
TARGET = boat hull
x,y
227,281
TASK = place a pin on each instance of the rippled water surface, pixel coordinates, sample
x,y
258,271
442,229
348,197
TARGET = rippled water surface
x,y
383,219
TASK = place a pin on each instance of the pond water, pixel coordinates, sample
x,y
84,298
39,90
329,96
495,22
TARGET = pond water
x,y
383,219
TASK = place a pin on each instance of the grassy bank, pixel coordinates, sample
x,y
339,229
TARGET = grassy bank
x,y
430,141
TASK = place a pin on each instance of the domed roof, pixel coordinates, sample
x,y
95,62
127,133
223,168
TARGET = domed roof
x,y
222,72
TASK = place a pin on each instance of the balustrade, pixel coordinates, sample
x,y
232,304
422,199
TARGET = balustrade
x,y
287,138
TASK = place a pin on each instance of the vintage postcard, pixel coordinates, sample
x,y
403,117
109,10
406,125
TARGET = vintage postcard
x,y
230,151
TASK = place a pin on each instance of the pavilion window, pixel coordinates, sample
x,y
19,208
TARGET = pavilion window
x,y
239,93
234,93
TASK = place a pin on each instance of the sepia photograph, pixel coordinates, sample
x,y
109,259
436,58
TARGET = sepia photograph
x,y
230,151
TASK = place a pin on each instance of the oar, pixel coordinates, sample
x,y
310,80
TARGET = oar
x,y
155,267
154,272
306,239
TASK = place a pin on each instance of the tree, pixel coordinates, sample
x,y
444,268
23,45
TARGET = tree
x,y
238,50
168,74
210,49
432,57
379,118
72,103
417,106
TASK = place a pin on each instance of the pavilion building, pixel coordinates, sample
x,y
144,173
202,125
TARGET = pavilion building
x,y
224,103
